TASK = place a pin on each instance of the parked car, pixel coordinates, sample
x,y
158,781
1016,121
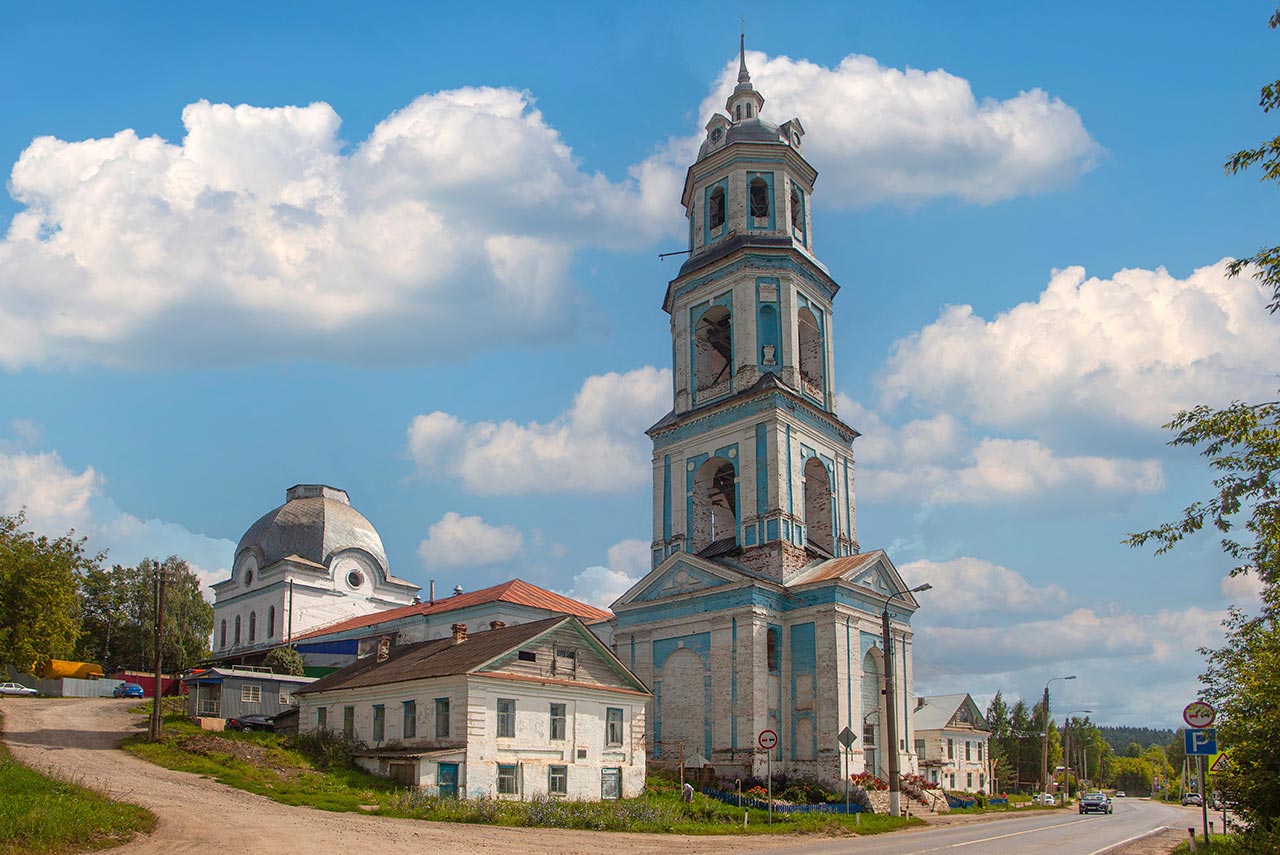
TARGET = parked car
x,y
1120,794
1192,799
250,722
128,690
1095,803
1044,799
17,689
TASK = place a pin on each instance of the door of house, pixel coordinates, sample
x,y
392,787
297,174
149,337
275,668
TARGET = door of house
x,y
447,780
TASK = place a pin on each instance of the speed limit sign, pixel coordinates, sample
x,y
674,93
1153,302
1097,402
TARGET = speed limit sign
x,y
768,739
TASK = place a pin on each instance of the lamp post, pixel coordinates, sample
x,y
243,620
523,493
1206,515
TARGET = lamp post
x,y
1044,751
890,702
1066,753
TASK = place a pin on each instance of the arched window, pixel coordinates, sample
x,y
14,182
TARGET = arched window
x,y
811,356
715,513
713,349
797,209
817,507
737,112
237,636
871,703
222,636
253,627
271,622
748,111
715,209
759,193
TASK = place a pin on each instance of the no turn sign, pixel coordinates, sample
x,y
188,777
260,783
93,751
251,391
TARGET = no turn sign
x,y
1198,714
768,739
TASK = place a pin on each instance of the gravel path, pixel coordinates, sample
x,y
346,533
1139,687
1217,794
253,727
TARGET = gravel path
x,y
79,738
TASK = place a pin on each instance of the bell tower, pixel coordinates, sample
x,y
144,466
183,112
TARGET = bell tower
x,y
752,464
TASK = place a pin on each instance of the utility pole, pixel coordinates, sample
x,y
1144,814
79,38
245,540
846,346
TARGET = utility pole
x,y
156,720
891,703
1044,732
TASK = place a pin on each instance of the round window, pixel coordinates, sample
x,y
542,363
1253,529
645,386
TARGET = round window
x,y
716,133
355,578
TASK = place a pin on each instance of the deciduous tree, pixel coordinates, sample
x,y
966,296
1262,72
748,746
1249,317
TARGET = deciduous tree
x,y
39,613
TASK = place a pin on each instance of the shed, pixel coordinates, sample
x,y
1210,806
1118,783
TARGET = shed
x,y
236,692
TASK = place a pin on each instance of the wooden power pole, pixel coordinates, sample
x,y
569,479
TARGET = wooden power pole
x,y
156,719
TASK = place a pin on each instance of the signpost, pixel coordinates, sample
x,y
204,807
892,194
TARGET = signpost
x,y
768,740
1201,742
847,737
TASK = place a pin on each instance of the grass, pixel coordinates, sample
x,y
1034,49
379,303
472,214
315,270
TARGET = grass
x,y
41,813
272,766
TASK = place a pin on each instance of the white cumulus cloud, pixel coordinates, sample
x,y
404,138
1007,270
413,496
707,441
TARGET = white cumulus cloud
x,y
458,541
887,134
57,499
972,586
1127,350
602,585
596,445
257,236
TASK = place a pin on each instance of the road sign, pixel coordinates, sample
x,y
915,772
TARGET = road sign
x,y
1201,742
1198,714
1221,763
847,737
768,739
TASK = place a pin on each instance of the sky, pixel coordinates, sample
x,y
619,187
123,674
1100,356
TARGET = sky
x,y
411,251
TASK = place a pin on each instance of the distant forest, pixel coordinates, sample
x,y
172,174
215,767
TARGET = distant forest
x,y
1120,738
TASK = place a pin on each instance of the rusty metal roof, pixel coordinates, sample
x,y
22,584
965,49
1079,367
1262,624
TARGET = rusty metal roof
x,y
837,567
515,591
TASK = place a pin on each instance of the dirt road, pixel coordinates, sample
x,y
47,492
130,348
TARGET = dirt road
x,y
79,738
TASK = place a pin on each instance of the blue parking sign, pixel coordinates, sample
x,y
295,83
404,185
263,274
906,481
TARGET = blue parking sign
x,y
1203,741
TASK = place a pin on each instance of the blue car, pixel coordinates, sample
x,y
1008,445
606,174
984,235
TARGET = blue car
x,y
127,690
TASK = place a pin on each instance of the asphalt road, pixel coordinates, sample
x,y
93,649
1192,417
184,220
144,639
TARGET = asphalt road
x,y
1062,832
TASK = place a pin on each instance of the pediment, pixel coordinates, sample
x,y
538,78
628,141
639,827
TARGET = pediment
x,y
680,574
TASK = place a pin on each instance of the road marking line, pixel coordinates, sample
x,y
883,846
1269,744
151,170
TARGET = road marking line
x,y
999,837
1153,831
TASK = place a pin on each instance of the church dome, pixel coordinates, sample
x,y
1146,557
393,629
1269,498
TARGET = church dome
x,y
314,523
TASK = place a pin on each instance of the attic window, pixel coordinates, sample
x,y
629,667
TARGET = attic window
x,y
355,578
527,656
716,133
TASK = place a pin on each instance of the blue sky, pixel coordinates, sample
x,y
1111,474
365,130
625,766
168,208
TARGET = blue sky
x,y
411,252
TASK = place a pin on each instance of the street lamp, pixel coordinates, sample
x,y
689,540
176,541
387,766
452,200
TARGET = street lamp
x,y
1066,754
891,718
1044,755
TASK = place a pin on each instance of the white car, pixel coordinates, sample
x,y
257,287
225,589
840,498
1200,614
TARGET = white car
x,y
16,689
1044,799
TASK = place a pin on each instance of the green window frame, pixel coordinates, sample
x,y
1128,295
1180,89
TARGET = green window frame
x,y
506,718
379,722
613,726
442,718
558,780
409,729
506,779
558,721
349,722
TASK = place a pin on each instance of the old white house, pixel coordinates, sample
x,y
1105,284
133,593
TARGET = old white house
x,y
538,709
953,742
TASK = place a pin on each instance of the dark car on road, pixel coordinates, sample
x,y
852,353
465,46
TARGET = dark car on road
x,y
250,722
1095,803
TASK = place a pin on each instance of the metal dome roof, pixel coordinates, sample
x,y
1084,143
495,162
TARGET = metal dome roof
x,y
314,522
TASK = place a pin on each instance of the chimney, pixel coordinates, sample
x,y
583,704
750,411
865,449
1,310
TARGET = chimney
x,y
919,702
433,592
457,589
459,633
417,600
496,624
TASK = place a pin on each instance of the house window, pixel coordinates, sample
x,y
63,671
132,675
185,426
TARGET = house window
x,y
968,750
868,733
759,193
613,726
253,626
223,634
410,727
566,661
379,722
920,748
349,722
715,209
237,636
506,780
527,656
250,694
951,749
442,718
980,751
271,622
558,780
286,699
982,781
322,718
557,721
506,717
611,782
968,780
